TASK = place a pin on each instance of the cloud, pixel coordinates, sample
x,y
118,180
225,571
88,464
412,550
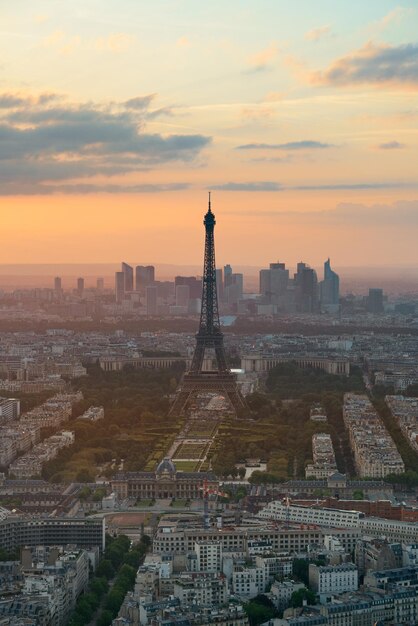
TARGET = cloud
x,y
16,100
9,100
356,186
291,145
40,18
398,215
44,141
183,42
274,96
274,186
250,186
257,112
65,44
377,65
115,42
139,103
284,159
394,16
33,189
163,111
261,61
391,145
317,33
55,38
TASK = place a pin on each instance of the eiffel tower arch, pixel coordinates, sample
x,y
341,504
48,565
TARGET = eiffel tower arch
x,y
209,336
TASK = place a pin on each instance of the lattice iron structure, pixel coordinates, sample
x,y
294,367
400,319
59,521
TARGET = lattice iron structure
x,y
209,335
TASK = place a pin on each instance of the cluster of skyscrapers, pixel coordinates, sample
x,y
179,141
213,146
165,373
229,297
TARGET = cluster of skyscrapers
x,y
300,294
181,296
137,290
124,280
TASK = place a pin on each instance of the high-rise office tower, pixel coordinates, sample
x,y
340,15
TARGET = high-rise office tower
x,y
119,286
374,302
128,272
80,286
57,284
306,283
100,284
264,277
194,284
152,301
220,285
227,275
274,281
144,277
234,290
182,295
330,287
279,279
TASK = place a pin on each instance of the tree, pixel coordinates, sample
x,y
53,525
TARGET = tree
x,y
241,472
105,618
84,609
84,476
297,597
260,610
105,569
114,600
301,570
99,586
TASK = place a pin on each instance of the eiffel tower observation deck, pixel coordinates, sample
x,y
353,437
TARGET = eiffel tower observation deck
x,y
197,380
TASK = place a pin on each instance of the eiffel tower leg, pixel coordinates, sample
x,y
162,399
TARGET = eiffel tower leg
x,y
180,402
198,356
238,402
220,357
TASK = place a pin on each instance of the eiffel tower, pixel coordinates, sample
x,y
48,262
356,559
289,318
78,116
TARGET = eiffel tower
x,y
197,380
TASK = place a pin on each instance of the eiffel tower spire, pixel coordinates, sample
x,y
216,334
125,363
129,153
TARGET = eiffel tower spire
x,y
209,335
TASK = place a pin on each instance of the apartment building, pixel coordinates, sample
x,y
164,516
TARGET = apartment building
x,y
375,453
333,579
324,463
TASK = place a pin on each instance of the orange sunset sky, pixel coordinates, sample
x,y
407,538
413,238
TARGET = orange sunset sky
x,y
117,117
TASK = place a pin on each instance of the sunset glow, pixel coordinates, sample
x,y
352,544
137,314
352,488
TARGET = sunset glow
x,y
118,117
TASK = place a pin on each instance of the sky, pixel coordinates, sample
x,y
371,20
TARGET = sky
x,y
118,116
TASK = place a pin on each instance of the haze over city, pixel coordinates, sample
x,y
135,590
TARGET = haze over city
x,y
117,119
208,313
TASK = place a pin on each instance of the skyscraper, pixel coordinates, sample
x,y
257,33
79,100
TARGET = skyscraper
x,y
227,275
330,288
57,284
234,291
306,284
182,295
374,302
265,289
220,285
152,301
274,281
128,272
144,277
80,286
119,286
100,284
194,284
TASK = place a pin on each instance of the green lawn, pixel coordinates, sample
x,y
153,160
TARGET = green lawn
x,y
186,466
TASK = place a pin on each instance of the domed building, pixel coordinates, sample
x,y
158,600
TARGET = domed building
x,y
164,483
165,469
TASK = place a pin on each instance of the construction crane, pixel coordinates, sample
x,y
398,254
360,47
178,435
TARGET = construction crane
x,y
206,492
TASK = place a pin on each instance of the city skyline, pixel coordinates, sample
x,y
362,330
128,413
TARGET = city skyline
x,y
301,120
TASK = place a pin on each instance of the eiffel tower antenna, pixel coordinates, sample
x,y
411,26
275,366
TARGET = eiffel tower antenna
x,y
197,380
